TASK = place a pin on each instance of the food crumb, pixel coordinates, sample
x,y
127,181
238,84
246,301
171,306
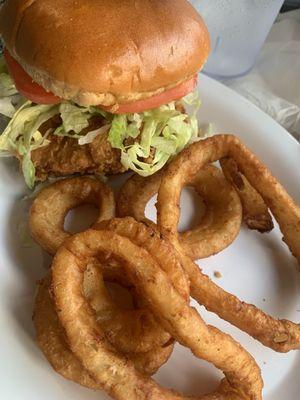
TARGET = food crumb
x,y
217,274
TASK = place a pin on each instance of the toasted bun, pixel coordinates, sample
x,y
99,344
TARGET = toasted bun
x,y
105,51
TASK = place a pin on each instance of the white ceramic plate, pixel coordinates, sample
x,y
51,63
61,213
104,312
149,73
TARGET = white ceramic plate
x,y
258,268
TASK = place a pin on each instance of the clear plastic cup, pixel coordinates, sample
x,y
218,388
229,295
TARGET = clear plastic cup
x,y
238,30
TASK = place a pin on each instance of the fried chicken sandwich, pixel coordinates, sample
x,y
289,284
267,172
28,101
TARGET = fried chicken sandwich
x,y
98,86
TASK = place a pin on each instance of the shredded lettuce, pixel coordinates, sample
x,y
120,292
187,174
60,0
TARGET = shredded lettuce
x,y
7,86
9,97
9,105
75,119
91,136
28,170
6,107
117,132
22,135
161,134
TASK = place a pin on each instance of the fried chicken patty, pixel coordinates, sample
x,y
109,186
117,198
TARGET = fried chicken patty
x,y
64,156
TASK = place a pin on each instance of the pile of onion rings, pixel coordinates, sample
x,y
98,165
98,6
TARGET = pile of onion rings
x,y
91,340
133,332
115,373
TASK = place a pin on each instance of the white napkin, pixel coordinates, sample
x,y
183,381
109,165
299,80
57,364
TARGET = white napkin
x,y
274,82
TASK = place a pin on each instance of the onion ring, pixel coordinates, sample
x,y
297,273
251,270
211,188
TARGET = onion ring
x,y
255,212
50,207
151,240
114,373
146,362
222,219
137,330
280,335
129,331
51,340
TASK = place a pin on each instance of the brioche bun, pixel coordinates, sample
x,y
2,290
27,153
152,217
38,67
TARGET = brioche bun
x,y
105,51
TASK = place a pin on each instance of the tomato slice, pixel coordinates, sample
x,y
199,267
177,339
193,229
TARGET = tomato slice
x,y
158,100
37,94
26,86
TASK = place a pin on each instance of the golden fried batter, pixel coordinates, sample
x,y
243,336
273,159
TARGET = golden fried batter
x,y
64,156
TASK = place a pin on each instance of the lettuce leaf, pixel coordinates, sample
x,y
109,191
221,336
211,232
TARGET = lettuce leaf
x,y
9,97
7,86
6,107
74,118
117,132
91,136
22,135
161,133
28,170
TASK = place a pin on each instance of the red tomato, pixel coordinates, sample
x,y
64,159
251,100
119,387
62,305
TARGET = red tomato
x,y
26,86
158,100
37,94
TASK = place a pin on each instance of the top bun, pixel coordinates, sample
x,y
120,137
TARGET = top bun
x,y
105,51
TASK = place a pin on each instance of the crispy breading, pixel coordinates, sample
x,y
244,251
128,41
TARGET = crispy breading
x,y
64,156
